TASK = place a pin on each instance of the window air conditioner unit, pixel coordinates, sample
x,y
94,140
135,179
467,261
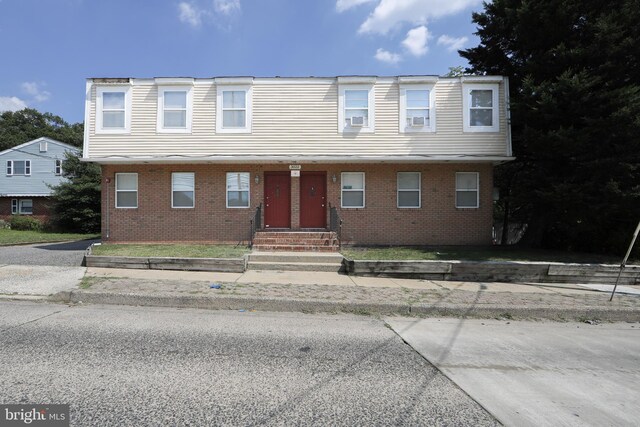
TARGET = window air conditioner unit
x,y
417,121
357,121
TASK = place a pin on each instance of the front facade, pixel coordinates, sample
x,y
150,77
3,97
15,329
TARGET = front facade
x,y
29,171
401,160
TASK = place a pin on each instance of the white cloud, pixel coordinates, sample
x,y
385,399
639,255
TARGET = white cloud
x,y
391,13
226,7
388,57
11,103
34,89
342,5
190,14
452,43
416,41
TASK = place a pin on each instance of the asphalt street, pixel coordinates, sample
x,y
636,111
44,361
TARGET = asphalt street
x,y
57,254
157,366
537,373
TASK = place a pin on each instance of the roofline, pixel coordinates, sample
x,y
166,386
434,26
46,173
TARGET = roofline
x,y
221,159
54,141
340,76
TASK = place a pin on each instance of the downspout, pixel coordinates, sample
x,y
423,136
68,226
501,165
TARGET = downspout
x,y
508,102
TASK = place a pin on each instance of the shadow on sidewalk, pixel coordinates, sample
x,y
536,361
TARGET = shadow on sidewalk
x,y
79,245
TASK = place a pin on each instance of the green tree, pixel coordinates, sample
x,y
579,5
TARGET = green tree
x,y
76,202
574,68
26,125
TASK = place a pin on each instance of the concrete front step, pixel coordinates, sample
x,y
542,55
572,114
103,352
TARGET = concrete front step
x,y
301,234
296,248
291,241
295,261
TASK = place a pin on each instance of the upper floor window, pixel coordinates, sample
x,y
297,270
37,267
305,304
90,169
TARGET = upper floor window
x,y
58,167
417,108
113,113
126,190
480,108
356,108
238,189
234,109
183,190
174,109
43,146
409,189
352,189
19,167
467,190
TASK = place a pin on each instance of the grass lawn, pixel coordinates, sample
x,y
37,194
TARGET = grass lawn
x,y
180,251
473,253
12,237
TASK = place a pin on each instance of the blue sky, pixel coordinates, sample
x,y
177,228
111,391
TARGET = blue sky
x,y
51,46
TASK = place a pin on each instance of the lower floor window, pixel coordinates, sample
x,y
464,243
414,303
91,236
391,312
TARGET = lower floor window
x,y
467,190
126,190
238,189
22,206
352,189
408,189
182,190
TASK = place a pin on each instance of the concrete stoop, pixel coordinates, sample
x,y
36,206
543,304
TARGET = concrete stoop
x,y
295,261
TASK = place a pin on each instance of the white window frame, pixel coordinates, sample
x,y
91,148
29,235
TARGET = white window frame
x,y
403,108
126,191
194,190
161,128
248,90
466,106
412,190
16,207
226,180
11,168
477,174
371,124
58,167
127,109
363,190
43,146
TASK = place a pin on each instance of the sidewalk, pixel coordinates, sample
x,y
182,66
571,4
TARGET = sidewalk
x,y
333,292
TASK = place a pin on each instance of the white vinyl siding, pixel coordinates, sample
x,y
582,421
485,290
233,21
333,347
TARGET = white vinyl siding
x,y
127,190
417,101
234,108
18,167
113,109
480,108
409,189
467,189
356,101
352,190
175,106
238,189
183,190
300,119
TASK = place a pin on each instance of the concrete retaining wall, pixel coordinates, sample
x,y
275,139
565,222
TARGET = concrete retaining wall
x,y
231,265
490,271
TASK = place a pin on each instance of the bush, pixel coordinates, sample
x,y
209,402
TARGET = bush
x,y
20,222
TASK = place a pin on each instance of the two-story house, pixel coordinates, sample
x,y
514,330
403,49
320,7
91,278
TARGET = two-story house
x,y
401,160
30,169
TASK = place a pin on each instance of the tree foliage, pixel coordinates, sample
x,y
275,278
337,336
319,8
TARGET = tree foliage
x,y
574,69
26,125
76,202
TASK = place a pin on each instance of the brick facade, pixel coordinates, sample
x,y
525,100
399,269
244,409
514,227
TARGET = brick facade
x,y
381,222
41,207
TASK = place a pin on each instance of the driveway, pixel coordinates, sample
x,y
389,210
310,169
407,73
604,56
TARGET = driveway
x,y
66,254
537,373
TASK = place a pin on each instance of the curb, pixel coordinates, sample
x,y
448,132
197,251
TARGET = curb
x,y
223,302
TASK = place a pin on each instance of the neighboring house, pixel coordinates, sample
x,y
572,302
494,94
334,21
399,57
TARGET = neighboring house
x,y
401,160
29,169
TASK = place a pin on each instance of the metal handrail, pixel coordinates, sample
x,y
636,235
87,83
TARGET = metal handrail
x,y
335,223
256,224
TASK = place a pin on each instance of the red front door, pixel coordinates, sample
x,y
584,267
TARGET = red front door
x,y
313,200
277,200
